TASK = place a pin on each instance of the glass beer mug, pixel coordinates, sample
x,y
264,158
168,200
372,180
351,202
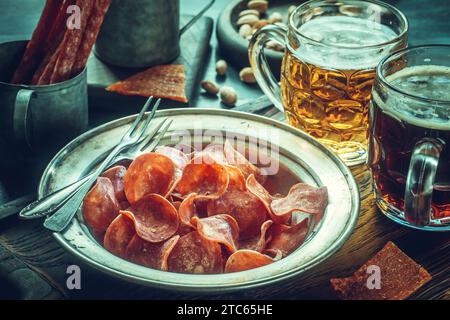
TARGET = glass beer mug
x,y
409,151
332,50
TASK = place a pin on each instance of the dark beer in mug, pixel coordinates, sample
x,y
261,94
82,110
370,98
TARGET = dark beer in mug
x,y
411,108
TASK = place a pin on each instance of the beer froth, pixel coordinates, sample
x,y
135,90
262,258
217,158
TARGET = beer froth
x,y
427,81
348,33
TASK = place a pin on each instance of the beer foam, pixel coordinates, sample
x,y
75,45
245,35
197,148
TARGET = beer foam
x,y
351,34
426,81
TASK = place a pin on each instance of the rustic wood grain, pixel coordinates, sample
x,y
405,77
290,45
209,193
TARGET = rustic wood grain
x,y
36,249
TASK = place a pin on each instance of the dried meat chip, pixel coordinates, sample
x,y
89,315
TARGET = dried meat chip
x,y
248,210
155,218
118,235
221,228
243,260
400,276
208,179
258,242
165,81
233,157
100,206
288,238
302,197
152,255
236,178
211,153
149,173
179,159
188,210
195,254
116,175
258,190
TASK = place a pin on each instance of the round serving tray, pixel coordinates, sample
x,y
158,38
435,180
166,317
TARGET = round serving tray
x,y
303,156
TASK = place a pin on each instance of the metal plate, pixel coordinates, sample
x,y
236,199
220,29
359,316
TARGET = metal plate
x,y
304,157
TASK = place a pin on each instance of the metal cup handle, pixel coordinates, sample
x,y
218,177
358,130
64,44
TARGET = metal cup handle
x,y
196,17
21,116
266,80
419,183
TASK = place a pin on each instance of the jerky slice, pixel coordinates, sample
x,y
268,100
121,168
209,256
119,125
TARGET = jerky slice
x,y
400,277
165,81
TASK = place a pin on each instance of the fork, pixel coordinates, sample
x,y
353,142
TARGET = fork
x,y
55,200
62,217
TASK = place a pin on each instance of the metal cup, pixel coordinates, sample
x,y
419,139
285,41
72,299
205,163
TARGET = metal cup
x,y
142,33
39,117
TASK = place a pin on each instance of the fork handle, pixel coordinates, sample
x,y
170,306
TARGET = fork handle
x,y
61,218
51,202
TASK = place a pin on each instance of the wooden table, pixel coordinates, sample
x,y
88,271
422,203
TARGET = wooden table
x,y
33,265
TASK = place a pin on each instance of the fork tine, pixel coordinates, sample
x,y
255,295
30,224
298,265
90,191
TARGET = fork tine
x,y
156,141
150,116
139,117
145,140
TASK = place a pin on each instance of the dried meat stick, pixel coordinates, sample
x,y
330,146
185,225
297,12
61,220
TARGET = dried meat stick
x,y
70,44
59,27
90,34
43,74
49,68
36,49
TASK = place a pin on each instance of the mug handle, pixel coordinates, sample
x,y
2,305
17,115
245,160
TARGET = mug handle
x,y
266,80
21,116
420,180
196,17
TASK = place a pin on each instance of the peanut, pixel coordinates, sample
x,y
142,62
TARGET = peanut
x,y
245,30
249,11
221,67
275,17
246,75
248,19
228,96
260,5
210,87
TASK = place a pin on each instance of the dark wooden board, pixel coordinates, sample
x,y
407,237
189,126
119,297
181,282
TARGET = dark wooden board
x,y
194,44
